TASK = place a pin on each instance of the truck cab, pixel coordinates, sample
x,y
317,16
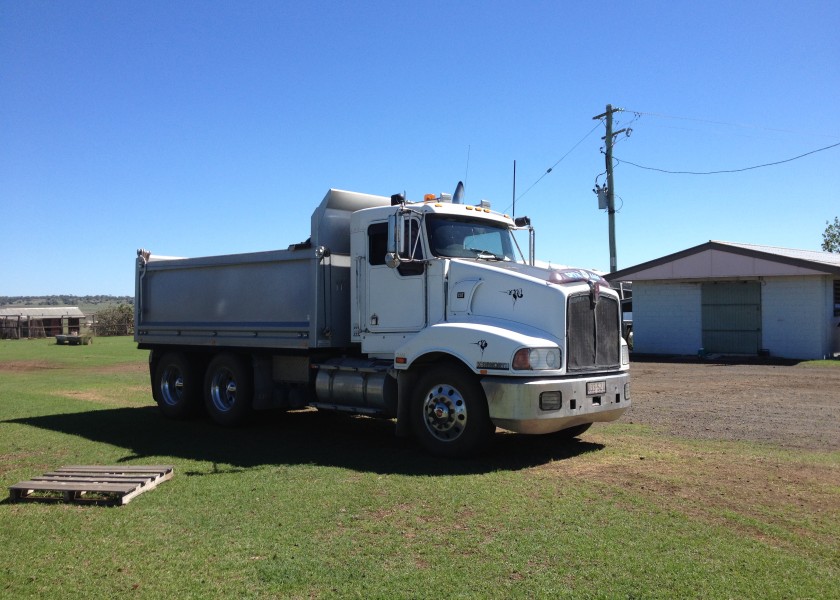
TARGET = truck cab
x,y
442,292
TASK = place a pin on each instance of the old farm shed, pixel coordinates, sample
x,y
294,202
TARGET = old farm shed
x,y
728,298
38,322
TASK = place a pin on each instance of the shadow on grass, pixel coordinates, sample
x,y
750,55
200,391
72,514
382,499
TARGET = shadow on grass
x,y
310,437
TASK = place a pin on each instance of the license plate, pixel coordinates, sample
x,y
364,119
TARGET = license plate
x,y
596,388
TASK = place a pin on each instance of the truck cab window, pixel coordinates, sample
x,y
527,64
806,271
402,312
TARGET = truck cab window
x,y
377,243
378,246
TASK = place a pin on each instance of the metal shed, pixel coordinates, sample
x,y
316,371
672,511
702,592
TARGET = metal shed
x,y
38,322
731,298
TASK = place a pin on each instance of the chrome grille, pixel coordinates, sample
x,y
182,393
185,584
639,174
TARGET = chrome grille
x,y
593,333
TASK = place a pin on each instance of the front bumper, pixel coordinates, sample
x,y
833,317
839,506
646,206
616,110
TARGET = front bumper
x,y
515,403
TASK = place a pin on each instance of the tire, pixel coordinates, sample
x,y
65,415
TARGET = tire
x,y
449,413
176,387
228,390
571,432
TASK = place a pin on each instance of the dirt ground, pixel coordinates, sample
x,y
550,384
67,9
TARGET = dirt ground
x,y
788,405
784,499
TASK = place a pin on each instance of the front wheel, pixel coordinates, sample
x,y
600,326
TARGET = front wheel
x,y
449,413
228,390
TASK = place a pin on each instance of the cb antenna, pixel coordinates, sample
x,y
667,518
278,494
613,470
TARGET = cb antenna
x,y
467,172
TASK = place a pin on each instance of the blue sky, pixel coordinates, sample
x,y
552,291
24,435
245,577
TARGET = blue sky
x,y
196,128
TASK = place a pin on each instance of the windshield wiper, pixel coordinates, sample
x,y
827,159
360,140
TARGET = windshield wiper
x,y
485,254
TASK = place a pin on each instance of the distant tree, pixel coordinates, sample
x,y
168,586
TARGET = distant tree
x,y
831,236
115,320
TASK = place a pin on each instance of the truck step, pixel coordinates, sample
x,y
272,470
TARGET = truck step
x,y
105,485
344,408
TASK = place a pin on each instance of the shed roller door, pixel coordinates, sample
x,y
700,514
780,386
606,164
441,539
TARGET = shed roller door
x,y
732,317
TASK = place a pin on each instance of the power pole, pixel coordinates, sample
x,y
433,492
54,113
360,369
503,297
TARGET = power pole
x,y
608,143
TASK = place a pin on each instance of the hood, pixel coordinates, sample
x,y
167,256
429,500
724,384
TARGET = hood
x,y
513,292
559,275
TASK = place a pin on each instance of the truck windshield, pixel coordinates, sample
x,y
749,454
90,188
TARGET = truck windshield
x,y
458,237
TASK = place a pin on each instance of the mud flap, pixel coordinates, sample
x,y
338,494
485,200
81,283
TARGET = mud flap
x,y
405,386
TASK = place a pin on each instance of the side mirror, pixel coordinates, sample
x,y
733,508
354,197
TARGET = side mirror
x,y
396,242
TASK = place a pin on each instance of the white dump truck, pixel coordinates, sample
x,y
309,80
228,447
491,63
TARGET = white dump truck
x,y
423,312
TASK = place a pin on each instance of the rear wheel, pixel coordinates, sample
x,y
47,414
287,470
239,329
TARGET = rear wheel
x,y
176,386
449,413
228,389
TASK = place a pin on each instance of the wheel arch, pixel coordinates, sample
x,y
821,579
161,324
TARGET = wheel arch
x,y
434,357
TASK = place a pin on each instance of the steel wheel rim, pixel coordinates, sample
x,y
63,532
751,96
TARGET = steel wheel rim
x,y
172,386
445,413
223,390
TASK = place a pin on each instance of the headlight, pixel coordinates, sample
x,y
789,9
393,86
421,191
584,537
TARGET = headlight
x,y
537,359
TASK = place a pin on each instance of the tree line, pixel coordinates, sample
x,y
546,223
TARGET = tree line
x,y
64,300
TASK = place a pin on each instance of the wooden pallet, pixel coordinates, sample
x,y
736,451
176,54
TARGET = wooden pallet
x,y
91,484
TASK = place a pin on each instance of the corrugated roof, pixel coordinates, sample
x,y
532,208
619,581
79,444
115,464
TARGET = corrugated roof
x,y
43,312
756,260
814,256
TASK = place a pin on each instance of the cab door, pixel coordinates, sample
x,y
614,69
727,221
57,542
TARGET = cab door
x,y
395,297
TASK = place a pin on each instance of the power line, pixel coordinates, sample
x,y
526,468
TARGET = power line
x,y
551,168
728,124
779,162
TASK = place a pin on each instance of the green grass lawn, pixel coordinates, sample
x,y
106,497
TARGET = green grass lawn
x,y
828,363
306,505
